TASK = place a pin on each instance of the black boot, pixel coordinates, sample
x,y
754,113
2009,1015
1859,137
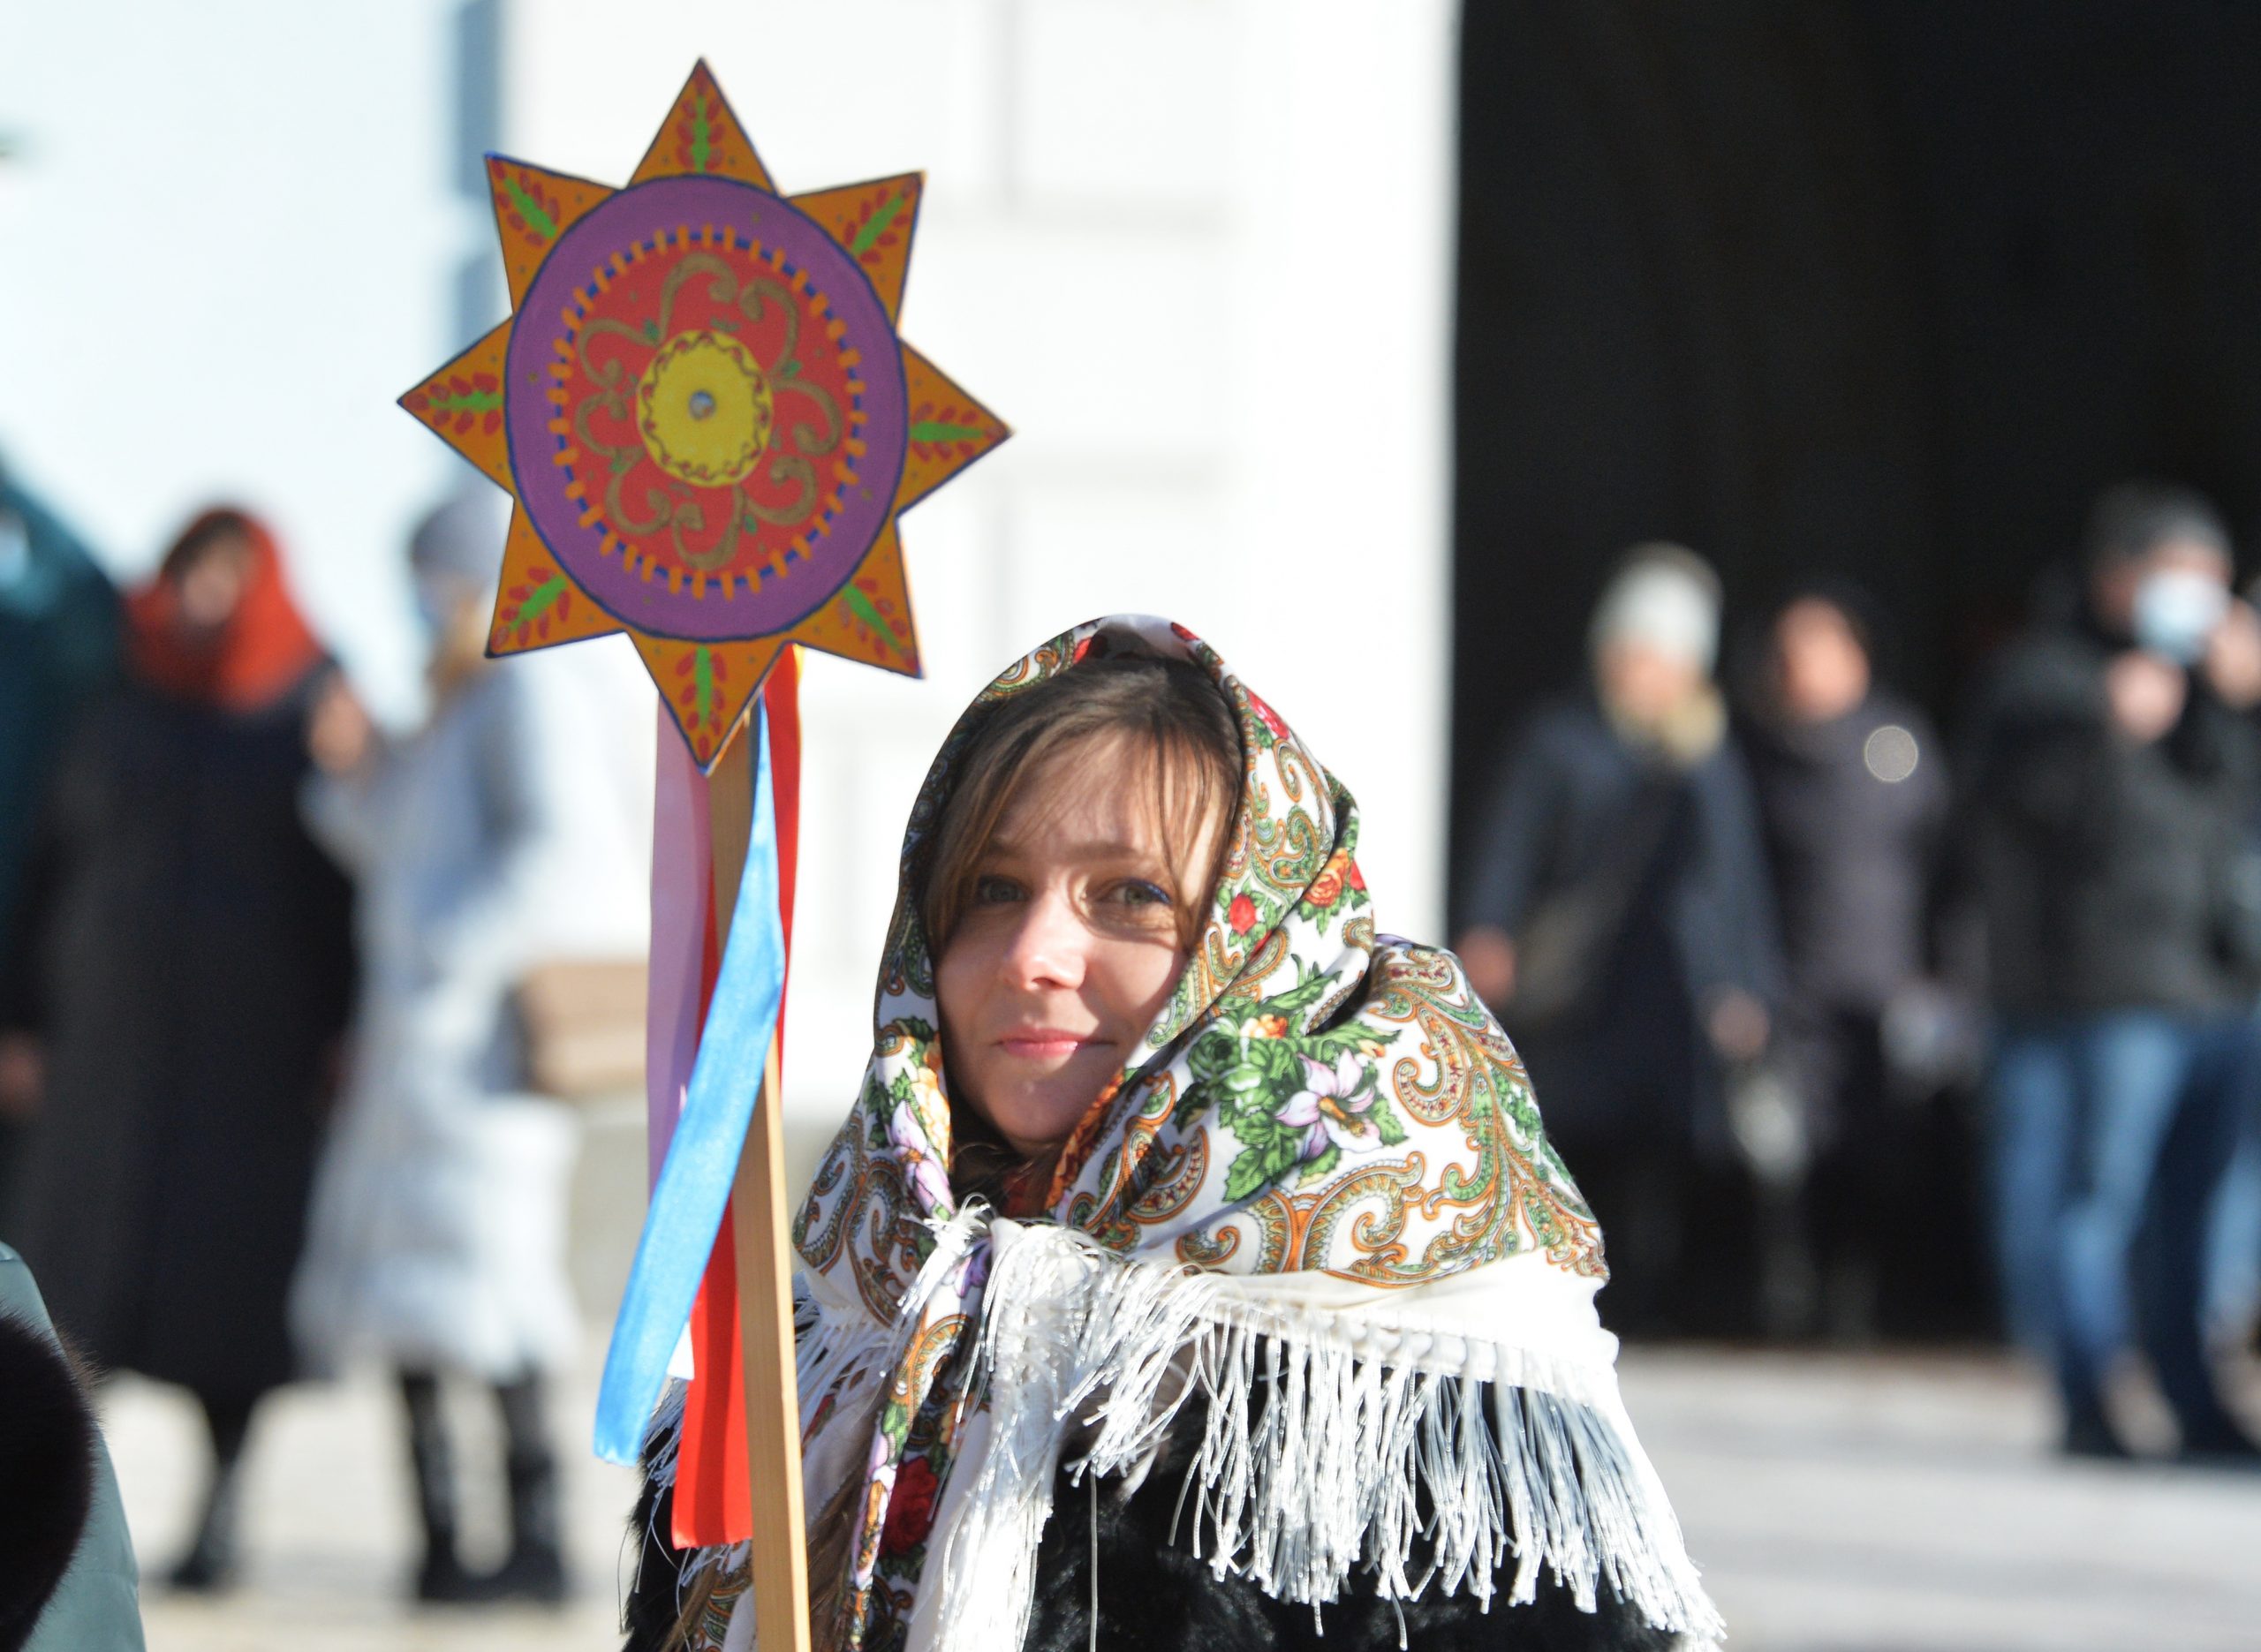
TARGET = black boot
x,y
213,1562
2090,1432
535,1567
440,1577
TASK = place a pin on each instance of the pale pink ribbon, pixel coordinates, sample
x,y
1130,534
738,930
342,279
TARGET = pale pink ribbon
x,y
681,906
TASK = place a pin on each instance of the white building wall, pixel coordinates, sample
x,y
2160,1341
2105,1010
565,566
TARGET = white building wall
x,y
227,242
1196,252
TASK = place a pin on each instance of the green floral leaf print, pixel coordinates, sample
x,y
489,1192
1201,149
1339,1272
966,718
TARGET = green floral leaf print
x,y
1212,1055
1251,1089
875,1107
1319,1169
1258,1167
1303,995
1386,1123
1356,1039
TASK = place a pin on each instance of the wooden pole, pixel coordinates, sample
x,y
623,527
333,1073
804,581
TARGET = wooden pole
x,y
765,1269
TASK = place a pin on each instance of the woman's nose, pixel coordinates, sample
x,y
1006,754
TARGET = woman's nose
x,y
1047,946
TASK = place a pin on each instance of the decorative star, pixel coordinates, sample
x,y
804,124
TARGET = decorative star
x,y
704,415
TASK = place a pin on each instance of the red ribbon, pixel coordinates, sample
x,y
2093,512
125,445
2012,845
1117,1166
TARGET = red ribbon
x,y
714,1504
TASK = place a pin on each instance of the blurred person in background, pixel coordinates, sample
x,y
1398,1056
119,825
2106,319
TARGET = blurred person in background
x,y
58,644
437,1243
59,647
1620,918
2112,778
184,961
2232,1307
1852,796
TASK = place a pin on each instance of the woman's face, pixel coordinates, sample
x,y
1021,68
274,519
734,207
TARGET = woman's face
x,y
455,613
1821,670
210,587
1068,948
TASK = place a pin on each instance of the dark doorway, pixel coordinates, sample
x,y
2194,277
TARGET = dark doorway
x,y
1884,287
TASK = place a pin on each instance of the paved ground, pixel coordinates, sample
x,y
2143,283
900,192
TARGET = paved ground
x,y
1907,1504
1895,1504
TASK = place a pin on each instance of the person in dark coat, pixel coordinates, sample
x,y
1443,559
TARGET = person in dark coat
x,y
58,646
2111,777
185,965
1619,916
1852,796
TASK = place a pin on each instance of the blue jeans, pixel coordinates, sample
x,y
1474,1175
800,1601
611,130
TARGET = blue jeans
x,y
2110,1129
2234,1285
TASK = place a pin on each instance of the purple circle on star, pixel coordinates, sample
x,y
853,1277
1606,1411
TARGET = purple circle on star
x,y
640,216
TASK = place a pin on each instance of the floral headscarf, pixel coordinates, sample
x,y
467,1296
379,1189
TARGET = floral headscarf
x,y
1324,1152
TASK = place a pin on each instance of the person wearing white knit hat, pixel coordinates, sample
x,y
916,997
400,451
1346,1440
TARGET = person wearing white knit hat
x,y
1654,639
1618,917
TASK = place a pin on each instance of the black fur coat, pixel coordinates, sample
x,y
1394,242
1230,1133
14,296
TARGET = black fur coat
x,y
1156,1597
47,1473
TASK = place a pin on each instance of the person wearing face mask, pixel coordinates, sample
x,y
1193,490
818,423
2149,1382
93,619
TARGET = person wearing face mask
x,y
184,969
436,1244
2112,776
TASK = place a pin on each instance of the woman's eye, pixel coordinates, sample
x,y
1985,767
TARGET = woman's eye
x,y
990,890
1137,892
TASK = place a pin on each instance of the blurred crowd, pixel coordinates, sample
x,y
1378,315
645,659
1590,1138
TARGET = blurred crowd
x,y
266,1103
1841,1021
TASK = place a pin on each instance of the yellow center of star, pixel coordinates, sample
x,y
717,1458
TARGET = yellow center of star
x,y
703,409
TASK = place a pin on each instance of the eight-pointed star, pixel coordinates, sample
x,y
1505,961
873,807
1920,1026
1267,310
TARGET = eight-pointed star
x,y
704,415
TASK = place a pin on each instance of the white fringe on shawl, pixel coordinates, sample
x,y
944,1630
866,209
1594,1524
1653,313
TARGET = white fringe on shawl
x,y
1082,1350
1374,1407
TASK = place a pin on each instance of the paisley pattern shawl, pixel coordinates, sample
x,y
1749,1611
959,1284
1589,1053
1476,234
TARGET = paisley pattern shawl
x,y
1323,1132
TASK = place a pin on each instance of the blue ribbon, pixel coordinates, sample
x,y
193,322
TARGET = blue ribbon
x,y
702,1161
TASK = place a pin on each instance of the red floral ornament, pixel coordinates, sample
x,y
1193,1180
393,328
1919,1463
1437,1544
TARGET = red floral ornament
x,y
1240,915
1268,717
911,1511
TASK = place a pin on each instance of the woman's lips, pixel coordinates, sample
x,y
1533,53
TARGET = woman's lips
x,y
1043,1043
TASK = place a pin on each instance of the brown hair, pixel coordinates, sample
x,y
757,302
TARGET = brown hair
x,y
1172,718
1166,712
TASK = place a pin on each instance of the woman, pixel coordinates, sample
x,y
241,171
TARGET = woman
x,y
1620,920
438,1236
1192,1269
186,966
1852,795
